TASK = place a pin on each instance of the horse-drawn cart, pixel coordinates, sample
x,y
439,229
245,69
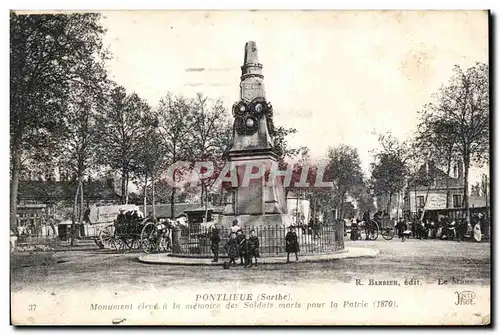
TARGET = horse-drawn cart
x,y
136,234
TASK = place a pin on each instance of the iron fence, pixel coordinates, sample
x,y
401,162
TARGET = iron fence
x,y
196,241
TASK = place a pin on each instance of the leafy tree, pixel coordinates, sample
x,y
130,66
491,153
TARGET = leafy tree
x,y
47,54
150,157
174,122
121,128
463,106
79,140
389,170
344,169
211,137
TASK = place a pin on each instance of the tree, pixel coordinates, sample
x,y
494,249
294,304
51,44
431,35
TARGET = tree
x,y
174,122
121,127
344,169
78,141
150,156
281,146
47,53
436,140
389,170
463,106
211,137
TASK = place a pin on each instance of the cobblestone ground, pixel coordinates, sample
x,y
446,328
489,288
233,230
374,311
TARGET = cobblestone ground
x,y
427,260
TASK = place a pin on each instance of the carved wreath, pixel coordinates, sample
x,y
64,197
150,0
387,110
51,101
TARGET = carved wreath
x,y
248,115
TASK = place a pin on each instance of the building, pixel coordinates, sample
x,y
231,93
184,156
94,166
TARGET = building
x,y
433,195
437,193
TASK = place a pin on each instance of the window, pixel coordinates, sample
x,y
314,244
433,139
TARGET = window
x,y
420,201
457,200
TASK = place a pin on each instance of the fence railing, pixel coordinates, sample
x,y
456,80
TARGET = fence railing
x,y
196,241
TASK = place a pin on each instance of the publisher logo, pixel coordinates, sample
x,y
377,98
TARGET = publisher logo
x,y
465,298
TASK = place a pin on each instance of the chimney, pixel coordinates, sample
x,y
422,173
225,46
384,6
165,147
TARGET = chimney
x,y
460,168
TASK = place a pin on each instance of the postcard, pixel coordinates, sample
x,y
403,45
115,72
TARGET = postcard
x,y
250,168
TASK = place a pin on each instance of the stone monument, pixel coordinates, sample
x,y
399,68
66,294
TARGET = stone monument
x,y
255,201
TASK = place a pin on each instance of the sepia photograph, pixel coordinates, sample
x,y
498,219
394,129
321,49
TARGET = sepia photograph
x,y
250,167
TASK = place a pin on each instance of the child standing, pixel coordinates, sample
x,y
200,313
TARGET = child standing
x,y
215,239
253,248
242,246
231,248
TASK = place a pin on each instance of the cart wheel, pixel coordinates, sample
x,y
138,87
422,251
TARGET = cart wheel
x,y
148,238
388,233
121,245
136,243
107,237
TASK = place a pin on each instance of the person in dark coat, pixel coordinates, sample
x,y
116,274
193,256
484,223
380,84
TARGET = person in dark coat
x,y
242,246
231,248
253,248
291,244
215,239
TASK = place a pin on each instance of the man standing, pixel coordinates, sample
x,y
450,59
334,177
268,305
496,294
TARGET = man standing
x,y
215,239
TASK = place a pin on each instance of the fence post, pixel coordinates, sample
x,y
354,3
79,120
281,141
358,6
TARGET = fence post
x,y
176,236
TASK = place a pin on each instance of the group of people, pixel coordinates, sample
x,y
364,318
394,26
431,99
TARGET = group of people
x,y
246,249
444,228
450,229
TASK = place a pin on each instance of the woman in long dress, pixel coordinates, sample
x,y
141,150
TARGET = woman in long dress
x,y
477,232
292,244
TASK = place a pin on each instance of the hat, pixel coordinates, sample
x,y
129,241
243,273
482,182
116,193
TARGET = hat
x,y
122,209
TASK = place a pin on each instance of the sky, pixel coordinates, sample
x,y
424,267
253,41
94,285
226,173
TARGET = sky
x,y
335,76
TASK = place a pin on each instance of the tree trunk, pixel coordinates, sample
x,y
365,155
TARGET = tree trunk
x,y
206,206
448,169
397,212
415,193
145,195
74,215
297,208
202,196
388,207
126,188
123,196
172,206
14,186
153,196
466,186
80,218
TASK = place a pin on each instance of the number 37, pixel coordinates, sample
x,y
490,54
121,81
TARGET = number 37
x,y
32,307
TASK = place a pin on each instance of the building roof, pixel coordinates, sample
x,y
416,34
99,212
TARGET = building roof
x,y
52,191
440,178
164,210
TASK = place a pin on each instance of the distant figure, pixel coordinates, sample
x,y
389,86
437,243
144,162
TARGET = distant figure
x,y
231,248
477,232
235,227
215,239
401,228
291,244
253,248
13,241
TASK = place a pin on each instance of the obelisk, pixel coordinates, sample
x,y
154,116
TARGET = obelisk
x,y
256,203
